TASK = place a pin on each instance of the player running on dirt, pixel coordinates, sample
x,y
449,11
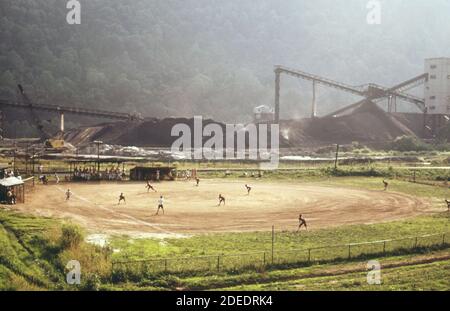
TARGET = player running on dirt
x,y
302,222
150,187
68,194
221,199
122,198
448,204
248,189
160,205
386,185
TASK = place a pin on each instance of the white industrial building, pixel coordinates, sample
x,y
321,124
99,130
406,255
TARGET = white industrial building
x,y
437,88
263,114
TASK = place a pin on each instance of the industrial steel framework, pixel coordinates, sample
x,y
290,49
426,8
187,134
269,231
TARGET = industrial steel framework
x,y
27,104
370,92
70,110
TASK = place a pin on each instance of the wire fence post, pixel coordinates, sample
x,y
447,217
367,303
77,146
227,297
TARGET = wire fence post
x,y
384,247
309,255
415,243
349,251
218,263
264,259
273,241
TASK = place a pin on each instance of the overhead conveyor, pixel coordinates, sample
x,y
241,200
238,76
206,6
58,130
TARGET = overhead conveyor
x,y
370,92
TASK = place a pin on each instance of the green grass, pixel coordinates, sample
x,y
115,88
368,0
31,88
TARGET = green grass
x,y
32,259
181,256
21,247
427,276
374,183
234,243
433,276
34,253
290,278
319,172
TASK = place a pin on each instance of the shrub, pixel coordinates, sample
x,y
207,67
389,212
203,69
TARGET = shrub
x,y
92,283
71,236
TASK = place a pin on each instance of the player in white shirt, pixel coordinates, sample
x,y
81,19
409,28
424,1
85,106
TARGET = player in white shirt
x,y
160,205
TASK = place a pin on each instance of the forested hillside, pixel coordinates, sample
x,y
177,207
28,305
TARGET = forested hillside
x,y
209,57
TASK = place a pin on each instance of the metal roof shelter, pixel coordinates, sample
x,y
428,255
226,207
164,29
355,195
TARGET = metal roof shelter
x,y
11,182
16,185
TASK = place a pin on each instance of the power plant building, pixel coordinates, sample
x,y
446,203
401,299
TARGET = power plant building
x,y
437,88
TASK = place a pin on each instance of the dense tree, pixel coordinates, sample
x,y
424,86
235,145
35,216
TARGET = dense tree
x,y
210,57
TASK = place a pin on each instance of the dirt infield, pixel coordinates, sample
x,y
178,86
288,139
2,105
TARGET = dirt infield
x,y
191,210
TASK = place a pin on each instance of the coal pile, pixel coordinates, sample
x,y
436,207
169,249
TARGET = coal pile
x,y
366,123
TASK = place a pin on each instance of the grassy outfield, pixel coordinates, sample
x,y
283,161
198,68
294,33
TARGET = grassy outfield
x,y
375,183
234,243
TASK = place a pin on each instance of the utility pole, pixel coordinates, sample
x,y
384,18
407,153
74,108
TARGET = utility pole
x,y
336,159
98,143
32,160
277,96
14,156
14,160
1,125
26,161
313,108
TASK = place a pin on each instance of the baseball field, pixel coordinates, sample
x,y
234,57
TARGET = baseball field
x,y
191,209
